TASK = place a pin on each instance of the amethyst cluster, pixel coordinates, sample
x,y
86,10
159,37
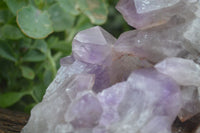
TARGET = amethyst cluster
x,y
138,83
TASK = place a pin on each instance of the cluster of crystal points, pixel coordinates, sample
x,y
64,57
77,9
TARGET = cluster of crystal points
x,y
138,83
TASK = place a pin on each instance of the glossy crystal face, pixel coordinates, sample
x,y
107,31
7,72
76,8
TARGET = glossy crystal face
x,y
144,6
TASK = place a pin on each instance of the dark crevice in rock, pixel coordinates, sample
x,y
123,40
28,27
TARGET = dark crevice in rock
x,y
189,126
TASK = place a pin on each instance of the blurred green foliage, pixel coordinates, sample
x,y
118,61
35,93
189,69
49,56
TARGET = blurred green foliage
x,y
35,34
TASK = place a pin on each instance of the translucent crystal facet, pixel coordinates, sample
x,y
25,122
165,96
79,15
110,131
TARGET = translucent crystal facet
x,y
193,34
93,46
184,71
153,44
143,6
138,83
132,107
142,14
191,103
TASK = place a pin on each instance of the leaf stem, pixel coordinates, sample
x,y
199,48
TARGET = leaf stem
x,y
34,97
52,63
71,35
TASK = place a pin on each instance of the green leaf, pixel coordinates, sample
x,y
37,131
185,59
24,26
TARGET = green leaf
x,y
41,45
83,23
62,46
48,76
11,32
2,4
39,3
96,10
33,56
5,15
70,6
10,98
34,23
1,34
27,72
25,43
6,51
61,20
15,5
38,92
49,1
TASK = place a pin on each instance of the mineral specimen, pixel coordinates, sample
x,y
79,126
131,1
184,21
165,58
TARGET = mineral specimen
x,y
154,44
143,6
190,101
193,33
184,71
135,106
143,14
181,71
138,83
93,46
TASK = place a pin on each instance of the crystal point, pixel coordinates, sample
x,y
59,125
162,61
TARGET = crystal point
x,y
138,83
143,14
93,46
143,6
184,71
191,103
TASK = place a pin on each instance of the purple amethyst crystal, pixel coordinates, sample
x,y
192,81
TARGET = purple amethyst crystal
x,y
154,44
184,71
147,96
143,14
187,74
93,46
138,83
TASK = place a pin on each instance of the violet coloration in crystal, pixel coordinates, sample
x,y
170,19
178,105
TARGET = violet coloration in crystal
x,y
138,83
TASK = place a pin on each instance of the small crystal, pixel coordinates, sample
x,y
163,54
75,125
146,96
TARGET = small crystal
x,y
191,103
134,105
142,14
193,34
154,44
144,6
93,46
184,71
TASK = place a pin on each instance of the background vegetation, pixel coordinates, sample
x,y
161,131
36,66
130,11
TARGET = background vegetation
x,y
35,34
